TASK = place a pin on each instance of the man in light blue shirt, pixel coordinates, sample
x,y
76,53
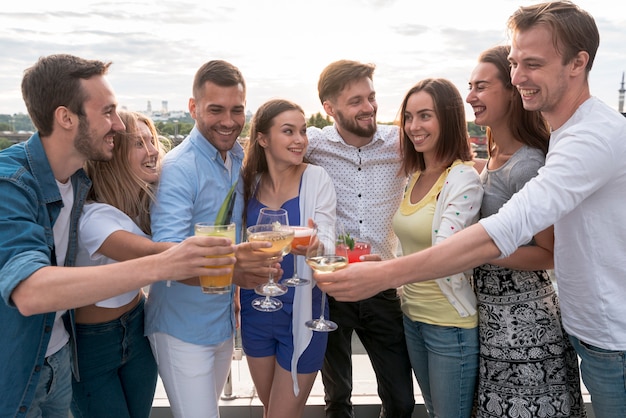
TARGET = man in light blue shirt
x,y
191,333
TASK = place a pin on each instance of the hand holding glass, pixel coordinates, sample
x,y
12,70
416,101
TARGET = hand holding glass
x,y
273,226
302,236
326,253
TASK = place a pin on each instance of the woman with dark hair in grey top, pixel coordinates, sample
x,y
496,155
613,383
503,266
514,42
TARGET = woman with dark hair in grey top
x,y
527,364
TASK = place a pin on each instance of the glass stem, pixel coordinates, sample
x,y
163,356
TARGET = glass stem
x,y
295,268
323,307
271,278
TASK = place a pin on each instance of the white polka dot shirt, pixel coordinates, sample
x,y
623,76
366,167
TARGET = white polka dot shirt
x,y
367,181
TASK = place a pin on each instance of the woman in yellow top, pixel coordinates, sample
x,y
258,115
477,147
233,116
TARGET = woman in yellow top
x,y
443,196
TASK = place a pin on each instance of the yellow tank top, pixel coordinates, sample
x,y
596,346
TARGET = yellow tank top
x,y
412,223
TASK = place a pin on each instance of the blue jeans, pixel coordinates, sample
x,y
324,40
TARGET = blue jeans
x,y
54,389
445,363
604,374
118,373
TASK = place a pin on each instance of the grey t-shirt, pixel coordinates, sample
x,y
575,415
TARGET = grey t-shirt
x,y
503,182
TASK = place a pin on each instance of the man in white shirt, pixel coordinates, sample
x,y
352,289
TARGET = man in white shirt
x,y
580,190
363,159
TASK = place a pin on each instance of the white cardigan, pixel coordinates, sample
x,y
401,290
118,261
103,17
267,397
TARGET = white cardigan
x,y
462,193
318,201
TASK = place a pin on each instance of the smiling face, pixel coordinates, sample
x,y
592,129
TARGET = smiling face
x,y
96,128
421,124
354,110
286,142
488,97
537,70
219,113
143,154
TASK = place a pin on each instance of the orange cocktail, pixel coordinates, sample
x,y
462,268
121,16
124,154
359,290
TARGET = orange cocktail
x,y
220,283
301,236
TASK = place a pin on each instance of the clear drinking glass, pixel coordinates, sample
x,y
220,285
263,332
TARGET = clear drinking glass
x,y
301,236
327,252
273,226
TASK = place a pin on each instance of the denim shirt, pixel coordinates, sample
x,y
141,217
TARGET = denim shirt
x,y
31,203
194,182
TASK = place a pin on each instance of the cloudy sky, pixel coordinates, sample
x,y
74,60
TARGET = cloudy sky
x,y
280,45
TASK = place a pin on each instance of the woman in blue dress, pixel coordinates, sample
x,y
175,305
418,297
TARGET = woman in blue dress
x,y
283,355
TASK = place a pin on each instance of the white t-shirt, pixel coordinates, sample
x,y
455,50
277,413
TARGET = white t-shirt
x,y
61,232
581,189
97,222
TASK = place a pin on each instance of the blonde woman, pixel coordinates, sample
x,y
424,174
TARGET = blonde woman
x,y
117,370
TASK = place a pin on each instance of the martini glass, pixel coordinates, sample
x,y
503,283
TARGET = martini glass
x,y
326,253
301,236
273,226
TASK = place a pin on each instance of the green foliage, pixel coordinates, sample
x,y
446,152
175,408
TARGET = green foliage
x,y
319,121
347,239
5,143
225,213
475,130
17,122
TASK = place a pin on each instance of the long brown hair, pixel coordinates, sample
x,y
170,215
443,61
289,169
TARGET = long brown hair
x,y
254,162
113,181
453,143
527,127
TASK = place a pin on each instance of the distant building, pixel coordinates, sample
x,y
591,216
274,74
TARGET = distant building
x,y
621,96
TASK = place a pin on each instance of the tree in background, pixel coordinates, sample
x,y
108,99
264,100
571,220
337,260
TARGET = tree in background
x,y
319,121
5,143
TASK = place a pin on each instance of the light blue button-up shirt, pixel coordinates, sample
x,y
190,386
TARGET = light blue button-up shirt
x,y
194,182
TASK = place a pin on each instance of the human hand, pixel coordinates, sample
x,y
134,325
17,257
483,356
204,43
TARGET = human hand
x,y
370,257
252,267
356,282
191,257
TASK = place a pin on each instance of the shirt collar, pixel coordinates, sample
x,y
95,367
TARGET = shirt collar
x,y
40,167
336,136
236,152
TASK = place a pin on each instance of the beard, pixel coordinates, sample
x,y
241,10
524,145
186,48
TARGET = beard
x,y
85,144
352,126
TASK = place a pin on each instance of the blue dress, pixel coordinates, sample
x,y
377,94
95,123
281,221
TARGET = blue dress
x,y
266,334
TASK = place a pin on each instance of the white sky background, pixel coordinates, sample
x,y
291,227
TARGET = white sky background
x,y
280,46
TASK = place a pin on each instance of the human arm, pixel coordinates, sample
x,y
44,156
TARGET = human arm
x,y
106,231
53,288
464,250
252,267
124,245
539,256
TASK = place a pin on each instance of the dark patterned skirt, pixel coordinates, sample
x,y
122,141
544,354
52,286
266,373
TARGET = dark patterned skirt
x,y
528,367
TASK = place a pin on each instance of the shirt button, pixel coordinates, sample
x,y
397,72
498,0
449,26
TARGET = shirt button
x,y
48,328
359,168
37,368
359,194
22,409
361,221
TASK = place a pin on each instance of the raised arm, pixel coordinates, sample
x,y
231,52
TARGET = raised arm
x,y
463,250
52,289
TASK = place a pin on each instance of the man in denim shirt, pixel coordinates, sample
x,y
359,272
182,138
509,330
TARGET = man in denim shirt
x,y
43,187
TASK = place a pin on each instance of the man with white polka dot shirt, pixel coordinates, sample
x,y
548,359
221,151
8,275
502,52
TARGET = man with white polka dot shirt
x,y
363,159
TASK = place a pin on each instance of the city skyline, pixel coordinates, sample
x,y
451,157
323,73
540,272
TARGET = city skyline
x,y
157,47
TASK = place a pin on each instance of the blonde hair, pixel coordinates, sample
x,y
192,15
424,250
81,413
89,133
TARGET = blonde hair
x,y
115,183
